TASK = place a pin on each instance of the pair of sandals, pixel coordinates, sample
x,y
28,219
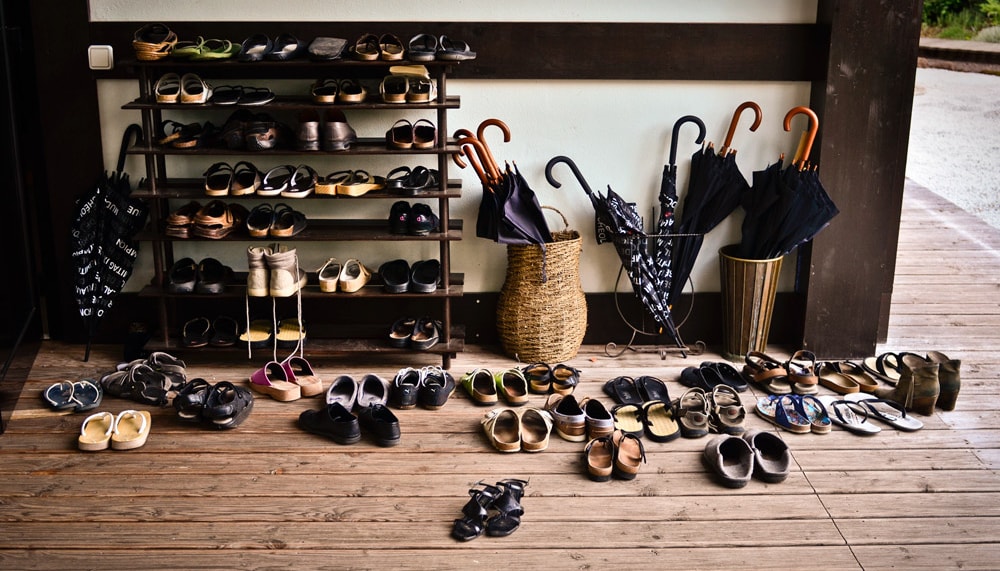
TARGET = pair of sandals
x,y
241,95
259,47
404,88
223,179
349,183
626,390
186,135
797,375
425,47
346,91
421,134
204,50
493,510
187,89
279,221
220,406
412,181
145,382
369,47
223,331
420,333
76,396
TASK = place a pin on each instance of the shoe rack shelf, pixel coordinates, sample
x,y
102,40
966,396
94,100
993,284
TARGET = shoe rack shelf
x,y
160,189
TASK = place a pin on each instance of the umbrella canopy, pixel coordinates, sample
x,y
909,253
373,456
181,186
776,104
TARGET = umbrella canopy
x,y
103,249
668,203
509,211
625,226
716,187
788,207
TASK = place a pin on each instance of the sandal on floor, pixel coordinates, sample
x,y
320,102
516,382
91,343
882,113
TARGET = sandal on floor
x,y
59,396
845,413
801,368
86,395
302,374
628,419
651,388
782,411
623,390
658,418
857,373
692,412
814,411
474,513
272,381
190,401
508,504
148,386
95,432
131,429
227,405
887,411
831,378
767,372
884,367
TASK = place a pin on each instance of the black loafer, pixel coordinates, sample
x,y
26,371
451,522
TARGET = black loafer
x,y
425,275
332,421
286,46
395,276
255,48
378,421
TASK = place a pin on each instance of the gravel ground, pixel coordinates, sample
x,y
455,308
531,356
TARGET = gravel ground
x,y
954,147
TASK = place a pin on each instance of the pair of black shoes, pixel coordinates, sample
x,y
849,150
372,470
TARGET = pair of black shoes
x,y
709,374
208,276
337,423
399,277
416,220
220,406
494,510
430,386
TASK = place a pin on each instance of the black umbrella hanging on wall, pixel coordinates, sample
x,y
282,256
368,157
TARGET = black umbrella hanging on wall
x,y
103,250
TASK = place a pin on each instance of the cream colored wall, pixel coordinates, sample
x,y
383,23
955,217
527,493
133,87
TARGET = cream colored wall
x,y
618,132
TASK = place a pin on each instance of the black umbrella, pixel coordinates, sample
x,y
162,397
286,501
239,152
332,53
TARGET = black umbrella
x,y
715,189
625,226
509,212
668,203
103,249
799,205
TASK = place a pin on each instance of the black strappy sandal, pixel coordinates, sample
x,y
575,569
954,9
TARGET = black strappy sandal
x,y
473,523
509,509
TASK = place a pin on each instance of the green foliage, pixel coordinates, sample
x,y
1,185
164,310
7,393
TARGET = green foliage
x,y
936,12
992,10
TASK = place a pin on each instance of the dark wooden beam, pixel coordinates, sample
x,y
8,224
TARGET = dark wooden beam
x,y
864,104
532,50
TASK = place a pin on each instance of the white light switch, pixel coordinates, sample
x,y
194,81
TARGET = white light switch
x,y
101,57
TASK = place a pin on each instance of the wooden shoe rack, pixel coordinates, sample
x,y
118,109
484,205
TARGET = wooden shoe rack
x,y
165,194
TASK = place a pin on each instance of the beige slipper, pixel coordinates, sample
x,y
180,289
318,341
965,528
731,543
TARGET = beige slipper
x,y
95,432
131,429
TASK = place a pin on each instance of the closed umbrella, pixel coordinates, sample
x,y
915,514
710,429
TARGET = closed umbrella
x,y
101,234
799,207
715,189
668,204
625,226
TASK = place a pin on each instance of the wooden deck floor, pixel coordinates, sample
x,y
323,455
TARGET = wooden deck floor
x,y
270,496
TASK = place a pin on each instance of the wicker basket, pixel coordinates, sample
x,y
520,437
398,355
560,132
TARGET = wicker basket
x,y
542,311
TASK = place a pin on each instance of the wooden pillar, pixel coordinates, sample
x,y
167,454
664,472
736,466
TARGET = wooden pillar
x,y
864,103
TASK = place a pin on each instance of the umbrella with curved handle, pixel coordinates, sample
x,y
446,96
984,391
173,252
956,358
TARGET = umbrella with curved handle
x,y
457,157
801,157
758,116
492,122
621,220
677,131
